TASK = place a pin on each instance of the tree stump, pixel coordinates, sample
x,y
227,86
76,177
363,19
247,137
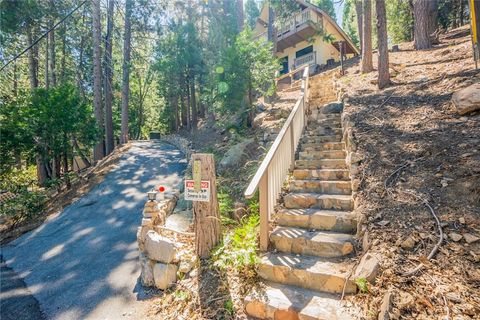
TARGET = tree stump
x,y
206,214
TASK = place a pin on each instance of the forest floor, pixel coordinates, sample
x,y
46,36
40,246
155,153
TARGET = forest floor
x,y
57,201
417,148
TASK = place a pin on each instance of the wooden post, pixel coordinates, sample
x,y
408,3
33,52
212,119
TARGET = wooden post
x,y
264,212
206,214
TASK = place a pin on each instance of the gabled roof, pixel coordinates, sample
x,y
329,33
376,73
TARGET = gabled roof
x,y
327,17
332,22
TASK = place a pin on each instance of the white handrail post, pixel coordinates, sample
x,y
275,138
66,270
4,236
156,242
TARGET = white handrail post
x,y
292,141
264,211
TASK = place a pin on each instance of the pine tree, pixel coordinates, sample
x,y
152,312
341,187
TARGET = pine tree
x,y
367,63
98,152
382,40
108,67
126,71
421,24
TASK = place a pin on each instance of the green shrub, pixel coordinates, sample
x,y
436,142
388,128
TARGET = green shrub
x,y
25,205
239,247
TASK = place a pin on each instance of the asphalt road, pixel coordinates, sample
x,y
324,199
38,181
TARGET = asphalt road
x,y
83,263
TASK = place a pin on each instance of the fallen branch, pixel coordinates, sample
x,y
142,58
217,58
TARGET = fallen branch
x,y
440,240
386,100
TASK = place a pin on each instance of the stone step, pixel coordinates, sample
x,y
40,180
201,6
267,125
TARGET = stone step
x,y
323,146
325,154
316,273
319,201
327,220
331,107
324,116
313,243
321,186
274,301
321,164
323,174
330,123
321,138
324,130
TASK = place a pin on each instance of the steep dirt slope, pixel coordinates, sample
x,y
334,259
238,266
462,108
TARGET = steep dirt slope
x,y
417,148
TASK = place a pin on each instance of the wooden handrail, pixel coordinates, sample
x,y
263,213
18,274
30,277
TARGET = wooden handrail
x,y
291,73
279,160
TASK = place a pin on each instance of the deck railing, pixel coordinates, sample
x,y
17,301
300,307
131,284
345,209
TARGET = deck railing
x,y
310,58
297,20
279,160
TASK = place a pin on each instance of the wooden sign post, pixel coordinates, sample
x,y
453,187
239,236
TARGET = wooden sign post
x,y
205,210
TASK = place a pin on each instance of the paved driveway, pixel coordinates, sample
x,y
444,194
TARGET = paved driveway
x,y
82,264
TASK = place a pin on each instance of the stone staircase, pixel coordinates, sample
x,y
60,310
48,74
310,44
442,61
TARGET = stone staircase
x,y
312,244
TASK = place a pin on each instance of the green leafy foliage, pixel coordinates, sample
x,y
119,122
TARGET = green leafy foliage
x,y
239,247
249,67
252,12
362,285
349,22
399,20
327,6
44,122
26,204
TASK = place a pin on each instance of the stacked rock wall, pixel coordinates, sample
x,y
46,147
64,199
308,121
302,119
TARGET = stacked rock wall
x,y
162,256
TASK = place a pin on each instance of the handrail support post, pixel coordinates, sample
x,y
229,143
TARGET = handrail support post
x,y
264,212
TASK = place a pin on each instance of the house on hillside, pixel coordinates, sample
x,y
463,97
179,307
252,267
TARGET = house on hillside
x,y
311,37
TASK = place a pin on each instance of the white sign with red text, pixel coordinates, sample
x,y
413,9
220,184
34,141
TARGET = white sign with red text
x,y
202,195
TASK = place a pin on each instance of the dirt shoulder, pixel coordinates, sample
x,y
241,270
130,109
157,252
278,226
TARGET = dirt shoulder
x,y
417,148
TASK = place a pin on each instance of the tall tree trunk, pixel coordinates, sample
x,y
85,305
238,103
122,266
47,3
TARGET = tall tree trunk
x,y
126,72
359,11
51,43
184,110
109,142
432,16
461,13
64,52
177,115
193,100
32,68
47,64
187,104
420,13
240,15
382,39
33,75
201,111
98,151
367,63
18,155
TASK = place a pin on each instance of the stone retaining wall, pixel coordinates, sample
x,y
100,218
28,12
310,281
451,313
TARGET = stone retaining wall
x,y
180,142
163,257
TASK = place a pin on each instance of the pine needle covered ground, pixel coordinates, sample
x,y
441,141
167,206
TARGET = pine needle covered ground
x,y
417,148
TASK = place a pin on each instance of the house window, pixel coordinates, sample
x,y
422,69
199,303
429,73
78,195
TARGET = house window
x,y
304,51
284,64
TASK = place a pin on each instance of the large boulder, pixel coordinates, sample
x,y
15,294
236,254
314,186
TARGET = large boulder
x,y
467,99
159,248
235,154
